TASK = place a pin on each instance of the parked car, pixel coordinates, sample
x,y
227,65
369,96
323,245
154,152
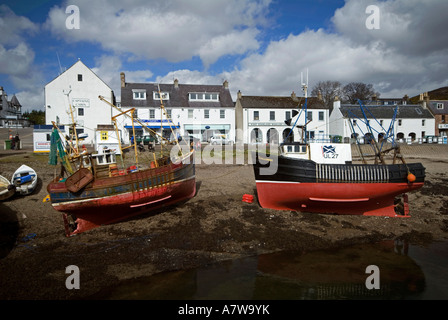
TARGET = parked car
x,y
190,140
220,140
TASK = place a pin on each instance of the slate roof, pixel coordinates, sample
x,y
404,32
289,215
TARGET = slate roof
x,y
386,112
178,97
14,101
432,105
270,102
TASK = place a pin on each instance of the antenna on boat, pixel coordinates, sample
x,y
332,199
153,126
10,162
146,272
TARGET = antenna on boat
x,y
305,90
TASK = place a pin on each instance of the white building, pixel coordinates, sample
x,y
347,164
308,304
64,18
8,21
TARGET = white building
x,y
404,123
193,109
80,87
261,119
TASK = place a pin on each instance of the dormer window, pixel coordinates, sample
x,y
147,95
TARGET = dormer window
x,y
203,96
156,95
139,94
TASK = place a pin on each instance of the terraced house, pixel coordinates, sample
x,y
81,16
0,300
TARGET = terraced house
x,y
439,108
261,119
197,110
405,123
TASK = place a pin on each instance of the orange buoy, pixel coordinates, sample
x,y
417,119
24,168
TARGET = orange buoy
x,y
248,198
411,177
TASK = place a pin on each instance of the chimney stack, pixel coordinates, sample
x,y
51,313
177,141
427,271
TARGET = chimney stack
x,y
239,95
123,83
226,84
319,95
176,83
294,97
336,103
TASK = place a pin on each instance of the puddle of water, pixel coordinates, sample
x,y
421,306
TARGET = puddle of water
x,y
405,272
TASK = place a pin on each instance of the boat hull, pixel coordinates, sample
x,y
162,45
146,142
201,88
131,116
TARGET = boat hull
x,y
303,185
372,199
112,199
25,180
7,189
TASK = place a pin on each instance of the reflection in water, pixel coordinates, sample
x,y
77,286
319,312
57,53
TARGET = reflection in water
x,y
328,274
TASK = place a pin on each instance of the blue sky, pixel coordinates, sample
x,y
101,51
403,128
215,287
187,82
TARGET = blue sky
x,y
259,46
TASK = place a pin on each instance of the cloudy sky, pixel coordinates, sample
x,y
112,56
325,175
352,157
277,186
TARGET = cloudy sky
x,y
259,46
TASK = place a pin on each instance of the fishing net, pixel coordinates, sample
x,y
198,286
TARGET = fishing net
x,y
54,140
56,148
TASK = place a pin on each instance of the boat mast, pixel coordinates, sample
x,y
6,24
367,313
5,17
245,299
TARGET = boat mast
x,y
163,112
305,90
76,149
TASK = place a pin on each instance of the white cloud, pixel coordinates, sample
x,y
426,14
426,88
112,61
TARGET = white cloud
x,y
407,55
186,76
17,59
174,30
229,44
108,69
13,26
16,56
411,27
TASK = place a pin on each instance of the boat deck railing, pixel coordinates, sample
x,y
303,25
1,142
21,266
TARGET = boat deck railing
x,y
352,173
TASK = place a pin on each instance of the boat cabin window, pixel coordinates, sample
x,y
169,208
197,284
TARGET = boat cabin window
x,y
296,148
105,158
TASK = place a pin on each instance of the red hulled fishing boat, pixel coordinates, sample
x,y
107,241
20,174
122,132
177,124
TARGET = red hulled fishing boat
x,y
323,178
97,192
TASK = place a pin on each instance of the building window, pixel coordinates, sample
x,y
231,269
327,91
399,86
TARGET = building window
x,y
222,114
156,95
439,106
423,122
199,96
272,115
206,114
287,115
310,115
80,111
381,122
399,122
152,114
256,115
168,113
190,114
104,135
321,116
354,122
79,77
139,94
